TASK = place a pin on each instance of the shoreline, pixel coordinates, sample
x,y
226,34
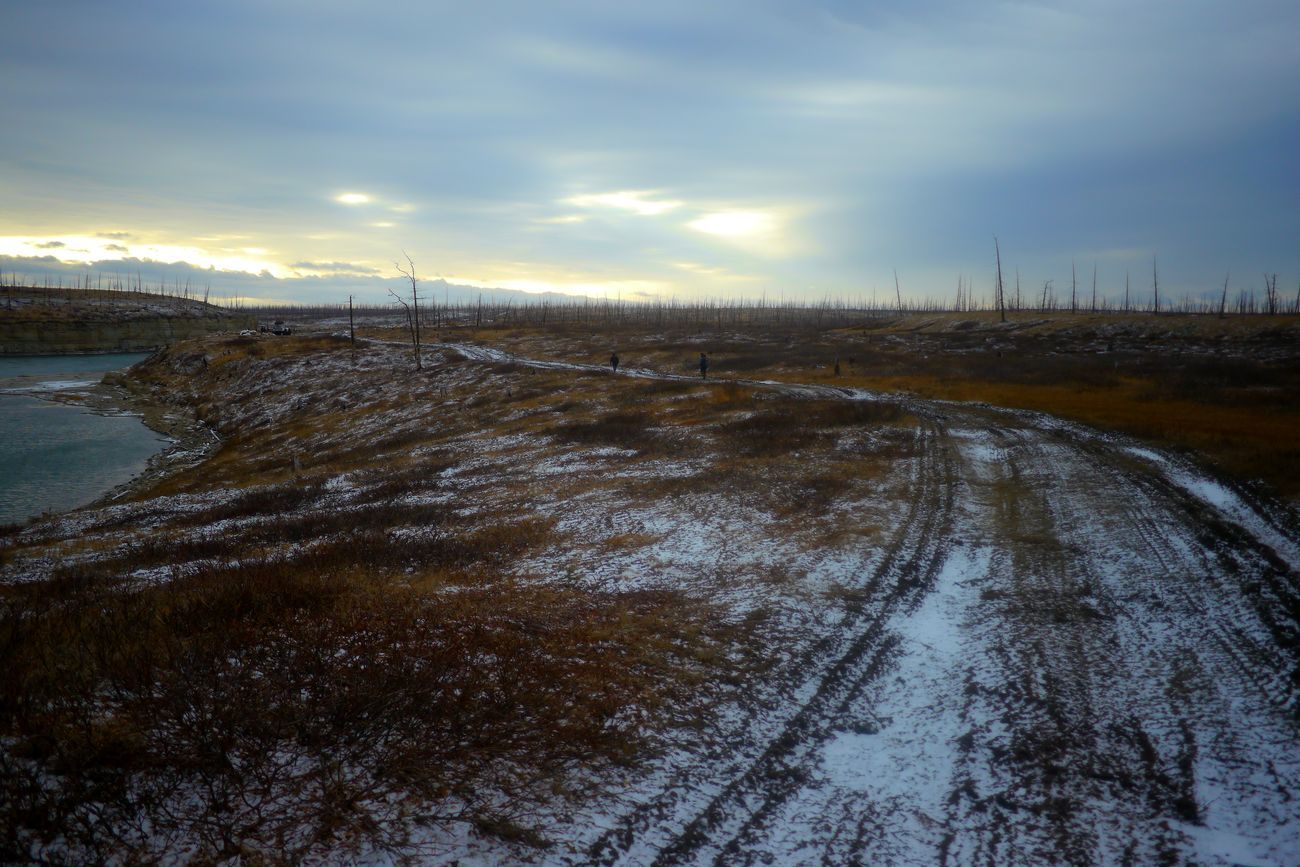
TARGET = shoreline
x,y
190,441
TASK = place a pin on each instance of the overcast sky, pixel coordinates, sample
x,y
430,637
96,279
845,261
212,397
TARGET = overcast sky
x,y
697,149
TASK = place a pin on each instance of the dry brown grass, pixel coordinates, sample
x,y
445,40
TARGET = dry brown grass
x,y
1226,389
270,709
1249,441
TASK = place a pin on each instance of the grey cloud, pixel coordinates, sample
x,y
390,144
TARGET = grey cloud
x,y
914,130
167,276
334,267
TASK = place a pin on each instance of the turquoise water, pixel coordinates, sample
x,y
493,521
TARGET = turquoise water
x,y
55,457
59,365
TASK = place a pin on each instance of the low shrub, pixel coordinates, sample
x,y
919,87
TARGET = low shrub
x,y
283,709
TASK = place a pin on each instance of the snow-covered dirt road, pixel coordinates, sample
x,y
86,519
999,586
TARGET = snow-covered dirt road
x,y
1069,648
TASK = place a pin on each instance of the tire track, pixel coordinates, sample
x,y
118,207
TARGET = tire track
x,y
1092,710
737,815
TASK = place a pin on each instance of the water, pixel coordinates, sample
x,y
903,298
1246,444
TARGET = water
x,y
37,367
54,456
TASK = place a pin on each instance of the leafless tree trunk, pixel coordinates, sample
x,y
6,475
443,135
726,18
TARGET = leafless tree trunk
x,y
412,309
1094,287
1270,294
1002,305
1155,287
1223,300
898,293
1074,288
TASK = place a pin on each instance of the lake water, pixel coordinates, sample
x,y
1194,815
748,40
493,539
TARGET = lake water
x,y
54,456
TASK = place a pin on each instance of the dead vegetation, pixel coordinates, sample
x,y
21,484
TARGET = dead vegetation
x,y
1226,389
272,709
396,599
335,634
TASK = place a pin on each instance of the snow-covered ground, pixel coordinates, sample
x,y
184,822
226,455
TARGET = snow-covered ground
x,y
1074,649
1016,641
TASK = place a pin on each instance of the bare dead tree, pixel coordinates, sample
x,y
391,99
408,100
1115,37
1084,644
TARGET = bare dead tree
x,y
1125,291
1223,300
1074,288
1270,294
1155,287
1002,304
1094,287
412,309
898,293
352,330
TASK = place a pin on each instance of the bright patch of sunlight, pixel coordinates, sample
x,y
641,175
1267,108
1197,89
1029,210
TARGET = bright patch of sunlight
x,y
636,201
735,224
352,198
81,249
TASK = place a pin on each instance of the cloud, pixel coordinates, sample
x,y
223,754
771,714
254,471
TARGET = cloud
x,y
51,245
637,201
735,224
116,248
228,287
544,138
333,268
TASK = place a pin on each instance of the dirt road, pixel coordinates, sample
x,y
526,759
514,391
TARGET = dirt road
x,y
1071,648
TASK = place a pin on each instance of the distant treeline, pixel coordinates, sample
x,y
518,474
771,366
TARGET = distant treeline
x,y
727,314
59,286
827,312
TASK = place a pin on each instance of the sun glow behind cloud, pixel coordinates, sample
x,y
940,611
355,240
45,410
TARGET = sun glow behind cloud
x,y
84,249
800,143
735,224
636,201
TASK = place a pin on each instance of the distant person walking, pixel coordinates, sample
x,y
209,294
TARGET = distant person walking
x,y
704,366
613,361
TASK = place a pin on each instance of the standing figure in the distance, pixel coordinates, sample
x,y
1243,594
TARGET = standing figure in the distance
x,y
613,361
704,366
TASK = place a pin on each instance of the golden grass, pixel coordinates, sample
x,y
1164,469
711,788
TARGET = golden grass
x,y
1247,441
358,701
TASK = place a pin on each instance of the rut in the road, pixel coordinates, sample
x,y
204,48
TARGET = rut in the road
x,y
730,822
1132,650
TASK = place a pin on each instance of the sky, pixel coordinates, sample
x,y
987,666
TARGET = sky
x,y
279,150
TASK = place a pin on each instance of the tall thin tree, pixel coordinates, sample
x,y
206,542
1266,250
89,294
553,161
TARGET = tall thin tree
x,y
1155,287
1002,304
412,309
